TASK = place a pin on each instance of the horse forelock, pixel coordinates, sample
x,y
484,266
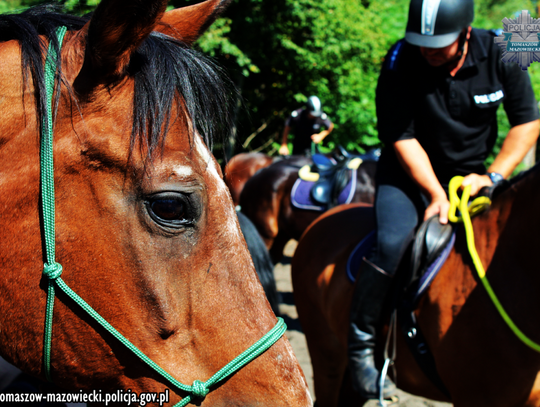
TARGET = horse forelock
x,y
166,73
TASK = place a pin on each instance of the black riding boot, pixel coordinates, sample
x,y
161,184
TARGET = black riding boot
x,y
368,301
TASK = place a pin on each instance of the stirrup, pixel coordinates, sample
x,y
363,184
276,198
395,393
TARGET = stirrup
x,y
389,401
384,402
389,360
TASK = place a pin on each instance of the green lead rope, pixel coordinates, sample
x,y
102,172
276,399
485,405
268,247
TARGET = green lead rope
x,y
53,270
477,205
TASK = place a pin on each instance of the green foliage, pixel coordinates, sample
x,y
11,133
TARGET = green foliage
x,y
214,42
12,6
329,48
279,52
78,7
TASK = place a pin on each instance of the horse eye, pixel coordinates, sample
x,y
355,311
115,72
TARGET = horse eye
x,y
168,209
172,209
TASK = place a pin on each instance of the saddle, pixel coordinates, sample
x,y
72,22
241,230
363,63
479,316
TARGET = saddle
x,y
431,239
430,245
332,176
430,249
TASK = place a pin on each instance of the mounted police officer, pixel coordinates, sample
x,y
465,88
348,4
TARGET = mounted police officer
x,y
306,125
437,97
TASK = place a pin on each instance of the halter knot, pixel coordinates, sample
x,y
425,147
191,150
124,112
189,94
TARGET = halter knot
x,y
52,271
199,389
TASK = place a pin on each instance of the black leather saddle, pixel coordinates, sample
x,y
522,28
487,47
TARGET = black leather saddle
x,y
431,239
333,177
334,173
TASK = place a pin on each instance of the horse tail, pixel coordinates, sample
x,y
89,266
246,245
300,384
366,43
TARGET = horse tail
x,y
261,260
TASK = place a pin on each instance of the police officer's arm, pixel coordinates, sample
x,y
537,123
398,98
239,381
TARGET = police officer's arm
x,y
284,149
415,161
317,138
396,129
522,111
518,142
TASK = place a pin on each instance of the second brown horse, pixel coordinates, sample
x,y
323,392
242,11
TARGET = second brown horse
x,y
266,200
479,359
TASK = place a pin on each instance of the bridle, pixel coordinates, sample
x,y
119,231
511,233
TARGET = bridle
x,y
53,270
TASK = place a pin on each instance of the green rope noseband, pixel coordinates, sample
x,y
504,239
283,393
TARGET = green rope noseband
x,y
53,270
477,205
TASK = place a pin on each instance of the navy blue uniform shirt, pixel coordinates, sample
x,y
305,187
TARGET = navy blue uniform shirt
x,y
453,118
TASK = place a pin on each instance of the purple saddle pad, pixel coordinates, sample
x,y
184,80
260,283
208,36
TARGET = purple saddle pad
x,y
364,247
301,194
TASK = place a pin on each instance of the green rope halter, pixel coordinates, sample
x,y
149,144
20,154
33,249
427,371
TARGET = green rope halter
x,y
53,270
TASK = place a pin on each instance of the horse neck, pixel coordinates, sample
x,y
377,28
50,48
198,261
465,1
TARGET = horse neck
x,y
516,205
502,233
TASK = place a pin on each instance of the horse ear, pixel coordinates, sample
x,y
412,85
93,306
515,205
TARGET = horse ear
x,y
189,23
116,30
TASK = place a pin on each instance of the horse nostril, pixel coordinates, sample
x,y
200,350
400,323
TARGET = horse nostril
x,y
166,333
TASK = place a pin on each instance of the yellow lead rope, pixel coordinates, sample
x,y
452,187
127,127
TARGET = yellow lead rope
x,y
476,206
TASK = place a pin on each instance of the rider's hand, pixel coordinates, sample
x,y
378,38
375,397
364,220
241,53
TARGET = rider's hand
x,y
439,205
284,150
477,182
317,138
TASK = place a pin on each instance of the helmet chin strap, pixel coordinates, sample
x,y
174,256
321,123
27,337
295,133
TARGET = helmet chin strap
x,y
461,47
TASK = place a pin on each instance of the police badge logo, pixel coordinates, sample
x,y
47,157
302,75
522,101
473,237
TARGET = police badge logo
x,y
520,40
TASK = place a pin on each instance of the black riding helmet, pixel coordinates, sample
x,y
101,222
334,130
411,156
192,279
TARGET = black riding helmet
x,y
314,106
437,23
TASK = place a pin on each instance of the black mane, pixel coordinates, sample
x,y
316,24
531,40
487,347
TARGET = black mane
x,y
164,70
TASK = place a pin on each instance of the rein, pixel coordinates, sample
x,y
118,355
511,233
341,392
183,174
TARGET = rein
x,y
53,270
466,211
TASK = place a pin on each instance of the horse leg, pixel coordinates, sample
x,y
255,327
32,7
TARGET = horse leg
x,y
328,353
278,245
323,296
323,316
347,396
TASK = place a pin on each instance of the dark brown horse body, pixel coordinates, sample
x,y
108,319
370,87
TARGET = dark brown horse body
x,y
242,167
266,200
479,359
238,170
145,227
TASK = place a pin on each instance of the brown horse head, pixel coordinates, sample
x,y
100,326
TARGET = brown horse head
x,y
145,227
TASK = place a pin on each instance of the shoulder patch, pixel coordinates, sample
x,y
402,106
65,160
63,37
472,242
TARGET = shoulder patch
x,y
393,55
294,113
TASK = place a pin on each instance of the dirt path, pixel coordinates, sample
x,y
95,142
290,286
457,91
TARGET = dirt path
x,y
282,273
